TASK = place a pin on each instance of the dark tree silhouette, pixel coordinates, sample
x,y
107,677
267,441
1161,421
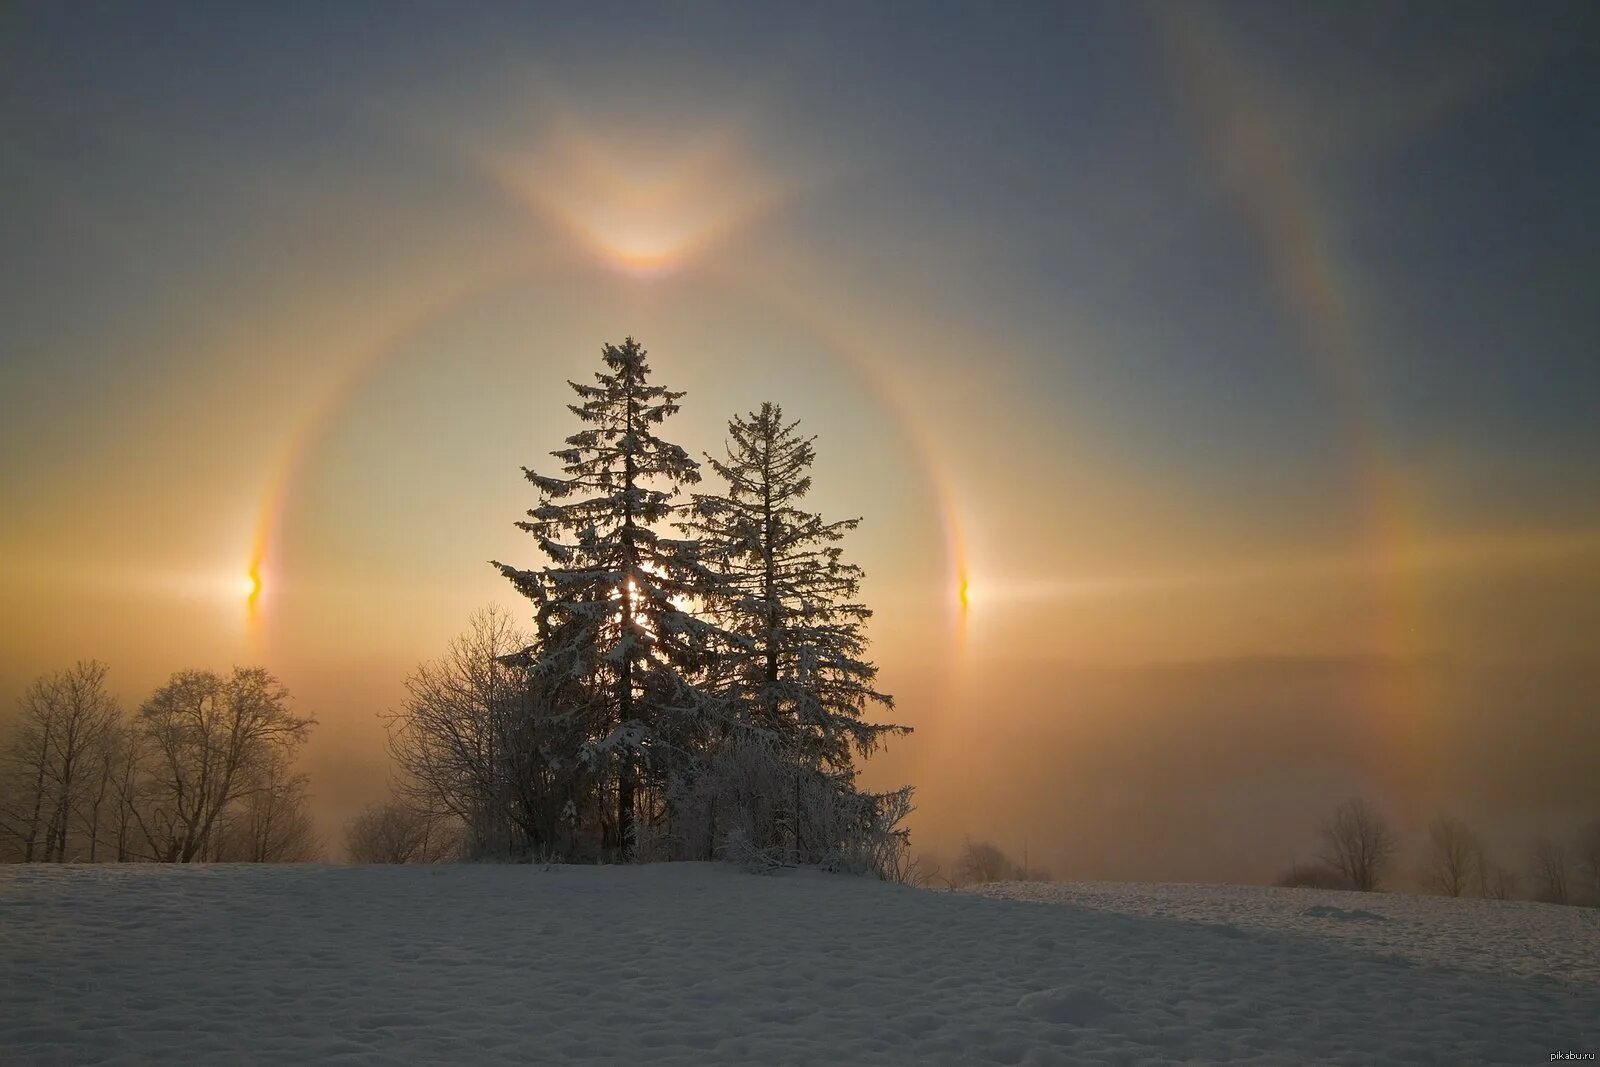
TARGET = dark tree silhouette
x,y
1552,871
209,739
1359,843
1454,856
55,760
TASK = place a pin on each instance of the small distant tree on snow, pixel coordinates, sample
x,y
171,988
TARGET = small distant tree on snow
x,y
1454,856
1359,843
1496,881
982,862
1552,871
1588,857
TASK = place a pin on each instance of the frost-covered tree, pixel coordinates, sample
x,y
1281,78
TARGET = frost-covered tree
x,y
617,650
455,735
398,832
478,747
783,589
982,862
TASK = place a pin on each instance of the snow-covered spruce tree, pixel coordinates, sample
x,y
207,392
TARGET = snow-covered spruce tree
x,y
617,657
783,587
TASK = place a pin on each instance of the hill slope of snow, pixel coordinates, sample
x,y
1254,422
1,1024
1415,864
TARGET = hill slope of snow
x,y
1513,937
693,963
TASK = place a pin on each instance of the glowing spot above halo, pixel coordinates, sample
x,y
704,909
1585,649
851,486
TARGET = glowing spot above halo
x,y
640,203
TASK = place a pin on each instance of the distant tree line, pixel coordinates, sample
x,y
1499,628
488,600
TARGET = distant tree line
x,y
201,771
695,685
982,862
1360,850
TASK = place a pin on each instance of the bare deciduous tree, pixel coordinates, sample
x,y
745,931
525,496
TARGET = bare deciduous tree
x,y
1552,868
125,766
458,739
1359,843
210,739
396,832
99,799
271,823
1589,860
1454,857
50,763
1495,882
981,862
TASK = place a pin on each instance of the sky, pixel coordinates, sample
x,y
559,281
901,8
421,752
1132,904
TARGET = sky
x,y
1218,384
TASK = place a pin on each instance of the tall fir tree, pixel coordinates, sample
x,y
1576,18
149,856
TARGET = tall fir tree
x,y
783,587
615,651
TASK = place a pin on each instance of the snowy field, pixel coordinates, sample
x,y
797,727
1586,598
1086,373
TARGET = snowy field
x,y
693,963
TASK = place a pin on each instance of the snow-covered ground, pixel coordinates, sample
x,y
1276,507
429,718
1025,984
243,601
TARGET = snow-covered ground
x,y
692,963
1491,936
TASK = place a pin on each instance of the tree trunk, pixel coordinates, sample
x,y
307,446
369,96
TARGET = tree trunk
x,y
797,851
768,580
625,671
94,830
625,808
38,796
